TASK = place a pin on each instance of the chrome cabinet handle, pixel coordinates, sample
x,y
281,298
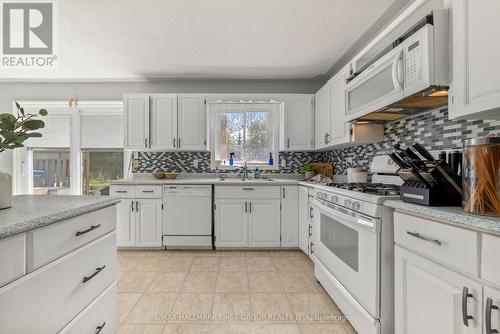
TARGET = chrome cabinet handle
x,y
173,142
91,228
99,328
312,247
248,188
136,205
465,316
310,230
132,205
145,142
122,191
97,271
246,208
178,142
283,192
311,212
148,191
421,237
288,143
487,316
250,206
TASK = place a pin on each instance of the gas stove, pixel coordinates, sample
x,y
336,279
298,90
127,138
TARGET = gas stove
x,y
379,189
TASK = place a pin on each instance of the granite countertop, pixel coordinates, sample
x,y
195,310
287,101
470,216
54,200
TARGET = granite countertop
x,y
34,211
450,215
149,180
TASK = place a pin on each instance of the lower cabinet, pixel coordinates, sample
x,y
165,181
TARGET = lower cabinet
x,y
231,223
491,304
148,223
290,216
125,223
304,219
264,223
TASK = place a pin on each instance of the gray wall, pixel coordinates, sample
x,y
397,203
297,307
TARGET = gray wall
x,y
114,91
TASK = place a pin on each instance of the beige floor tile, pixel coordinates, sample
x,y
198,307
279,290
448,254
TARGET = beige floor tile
x,y
127,263
264,282
177,263
140,329
187,328
231,304
208,252
159,252
232,253
179,252
126,302
124,253
309,307
150,264
152,308
274,306
233,263
349,329
136,281
258,253
259,263
281,253
192,307
120,275
232,281
253,328
289,263
322,329
297,282
200,282
206,263
166,282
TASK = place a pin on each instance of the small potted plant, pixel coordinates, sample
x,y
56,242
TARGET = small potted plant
x,y
308,170
14,131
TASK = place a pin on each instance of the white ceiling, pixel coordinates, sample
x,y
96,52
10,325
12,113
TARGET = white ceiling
x,y
251,39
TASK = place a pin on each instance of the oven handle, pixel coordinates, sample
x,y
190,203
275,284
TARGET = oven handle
x,y
354,219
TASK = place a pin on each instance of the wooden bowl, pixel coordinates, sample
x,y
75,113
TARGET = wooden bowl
x,y
171,176
158,175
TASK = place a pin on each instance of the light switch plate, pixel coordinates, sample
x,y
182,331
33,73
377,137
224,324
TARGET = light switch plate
x,y
195,163
283,163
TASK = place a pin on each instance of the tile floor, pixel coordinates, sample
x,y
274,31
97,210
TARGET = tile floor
x,y
244,292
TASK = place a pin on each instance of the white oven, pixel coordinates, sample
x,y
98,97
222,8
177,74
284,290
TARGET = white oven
x,y
347,243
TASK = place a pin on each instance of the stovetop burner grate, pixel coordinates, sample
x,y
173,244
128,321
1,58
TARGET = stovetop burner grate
x,y
369,188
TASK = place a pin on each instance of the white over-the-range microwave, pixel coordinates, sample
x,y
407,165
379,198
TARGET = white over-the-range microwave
x,y
409,76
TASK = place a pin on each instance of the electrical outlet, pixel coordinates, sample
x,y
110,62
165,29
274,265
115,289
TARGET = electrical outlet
x,y
283,163
349,160
195,163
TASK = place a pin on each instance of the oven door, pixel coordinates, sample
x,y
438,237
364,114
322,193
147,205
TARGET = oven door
x,y
347,244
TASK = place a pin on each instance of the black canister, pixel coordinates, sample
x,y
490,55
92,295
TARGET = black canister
x,y
455,161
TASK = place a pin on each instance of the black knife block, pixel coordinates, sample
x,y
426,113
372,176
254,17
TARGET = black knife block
x,y
436,195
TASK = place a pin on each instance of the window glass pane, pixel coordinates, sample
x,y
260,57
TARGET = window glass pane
x,y
231,135
257,137
51,172
99,169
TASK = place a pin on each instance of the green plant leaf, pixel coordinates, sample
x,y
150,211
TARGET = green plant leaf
x,y
17,105
33,124
22,111
34,135
43,112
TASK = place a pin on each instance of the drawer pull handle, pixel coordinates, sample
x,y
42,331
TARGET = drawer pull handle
x,y
487,315
91,228
465,316
148,191
99,328
122,191
97,271
421,237
248,188
310,230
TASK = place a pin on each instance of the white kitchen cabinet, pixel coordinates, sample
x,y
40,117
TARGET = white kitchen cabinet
x,y
136,112
304,218
163,121
149,223
191,123
231,223
298,127
475,88
491,307
263,223
429,297
290,216
125,223
322,116
339,127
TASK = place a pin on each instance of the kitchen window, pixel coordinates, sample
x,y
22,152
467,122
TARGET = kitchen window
x,y
249,130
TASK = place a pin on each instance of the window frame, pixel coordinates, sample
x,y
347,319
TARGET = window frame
x,y
274,109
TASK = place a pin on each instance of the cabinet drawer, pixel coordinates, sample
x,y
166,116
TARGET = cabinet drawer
x,y
122,191
49,298
247,192
12,258
450,245
490,270
51,242
101,313
148,191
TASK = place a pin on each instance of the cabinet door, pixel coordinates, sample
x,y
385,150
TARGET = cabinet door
x,y
303,218
491,310
164,121
290,216
475,86
125,223
298,124
264,223
322,116
149,232
429,298
191,124
136,112
339,127
230,223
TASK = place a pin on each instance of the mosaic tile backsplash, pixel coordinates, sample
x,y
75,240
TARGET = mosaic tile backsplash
x,y
433,129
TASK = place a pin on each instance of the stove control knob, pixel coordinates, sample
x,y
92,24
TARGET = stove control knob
x,y
335,199
356,205
347,203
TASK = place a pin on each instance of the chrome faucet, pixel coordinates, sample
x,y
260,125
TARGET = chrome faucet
x,y
244,173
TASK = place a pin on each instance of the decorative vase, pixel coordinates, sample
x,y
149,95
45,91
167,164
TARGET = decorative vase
x,y
5,190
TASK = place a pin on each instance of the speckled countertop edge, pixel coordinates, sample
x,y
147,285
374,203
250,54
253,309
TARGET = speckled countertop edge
x,y
450,215
32,223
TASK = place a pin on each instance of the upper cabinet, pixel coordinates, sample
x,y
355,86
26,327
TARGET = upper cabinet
x,y
339,127
165,122
475,88
322,117
298,127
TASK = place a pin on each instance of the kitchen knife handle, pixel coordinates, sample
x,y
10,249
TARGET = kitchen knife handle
x,y
423,151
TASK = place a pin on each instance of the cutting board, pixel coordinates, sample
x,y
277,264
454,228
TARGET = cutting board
x,y
324,168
